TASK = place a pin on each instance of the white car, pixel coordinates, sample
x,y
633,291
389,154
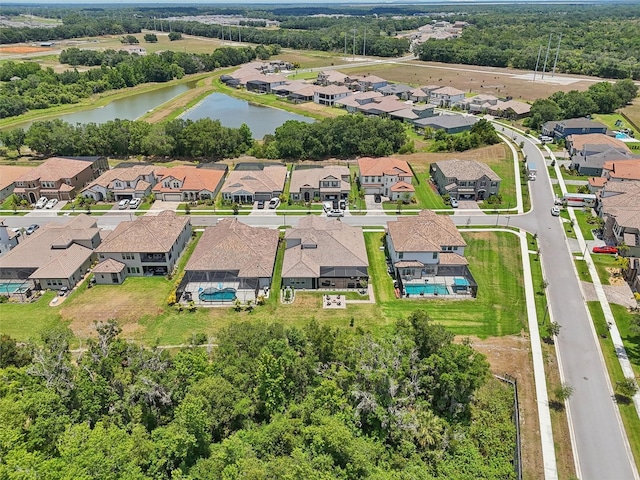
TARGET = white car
x,y
453,202
123,204
335,213
555,211
42,201
274,202
135,203
51,203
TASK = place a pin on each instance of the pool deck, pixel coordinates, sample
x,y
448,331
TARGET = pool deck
x,y
195,288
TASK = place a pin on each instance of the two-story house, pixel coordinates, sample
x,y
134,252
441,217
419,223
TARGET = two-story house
x,y
572,126
427,254
619,207
446,96
186,183
59,177
465,179
590,152
248,186
146,246
330,94
326,183
122,183
386,176
370,82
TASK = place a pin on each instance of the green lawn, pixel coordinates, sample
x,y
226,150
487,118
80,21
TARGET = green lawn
x,y
627,410
583,271
27,321
585,227
602,262
572,174
610,120
505,171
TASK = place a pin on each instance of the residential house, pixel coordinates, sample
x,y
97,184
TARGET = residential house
x,y
382,107
412,113
148,245
619,207
248,186
8,176
296,91
8,238
326,183
632,275
576,144
332,77
446,96
589,154
449,123
232,258
512,109
616,171
330,94
122,183
418,95
386,176
400,90
324,253
262,83
59,177
572,126
427,254
370,82
134,50
478,103
354,101
465,179
187,183
54,256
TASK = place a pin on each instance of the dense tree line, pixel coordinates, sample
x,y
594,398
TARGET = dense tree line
x,y
602,97
268,402
343,136
27,86
595,41
204,138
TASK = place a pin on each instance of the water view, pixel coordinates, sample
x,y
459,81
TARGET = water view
x,y
233,112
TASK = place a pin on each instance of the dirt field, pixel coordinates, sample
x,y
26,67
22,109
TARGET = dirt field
x,y
420,161
22,49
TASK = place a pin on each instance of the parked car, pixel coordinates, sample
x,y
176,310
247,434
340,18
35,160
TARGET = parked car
x,y
123,204
335,213
555,211
261,204
453,202
274,202
17,231
63,291
377,198
342,204
42,201
545,138
51,203
605,249
135,203
32,228
327,206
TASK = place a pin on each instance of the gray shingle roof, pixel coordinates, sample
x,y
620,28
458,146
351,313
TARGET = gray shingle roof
x,y
466,170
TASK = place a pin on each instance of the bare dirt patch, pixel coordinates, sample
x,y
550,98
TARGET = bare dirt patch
x,y
23,49
615,276
420,161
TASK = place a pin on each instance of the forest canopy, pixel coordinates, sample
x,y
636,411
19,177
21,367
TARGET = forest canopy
x,y
268,401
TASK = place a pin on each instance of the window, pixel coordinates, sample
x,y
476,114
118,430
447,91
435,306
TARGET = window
x,y
127,256
102,255
400,255
483,183
494,184
435,255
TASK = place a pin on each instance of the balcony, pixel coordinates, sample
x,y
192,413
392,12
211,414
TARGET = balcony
x,y
153,258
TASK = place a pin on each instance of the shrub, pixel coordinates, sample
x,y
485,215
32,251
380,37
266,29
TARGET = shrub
x,y
171,299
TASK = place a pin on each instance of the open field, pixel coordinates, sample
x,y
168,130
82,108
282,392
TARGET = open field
x,y
633,112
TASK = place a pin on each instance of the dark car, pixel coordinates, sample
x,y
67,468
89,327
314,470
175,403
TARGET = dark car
x,y
63,291
605,249
260,203
377,198
32,228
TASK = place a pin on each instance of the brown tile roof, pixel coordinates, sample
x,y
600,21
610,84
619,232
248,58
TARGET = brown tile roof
x,y
192,178
9,173
624,170
270,179
147,234
425,232
54,169
597,181
109,266
402,187
466,170
450,91
383,166
332,90
332,243
232,245
123,174
64,264
310,177
580,141
448,258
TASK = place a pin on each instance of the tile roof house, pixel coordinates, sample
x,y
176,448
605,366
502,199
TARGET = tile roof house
x,y
585,143
445,96
418,95
449,123
572,126
356,99
465,179
616,171
324,253
59,177
120,183
326,183
619,206
54,256
589,154
414,112
386,176
330,94
370,82
332,77
400,90
8,176
382,107
248,186
428,249
477,103
512,109
8,238
232,255
187,183
148,245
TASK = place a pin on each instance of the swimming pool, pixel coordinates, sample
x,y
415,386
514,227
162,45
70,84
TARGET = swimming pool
x,y
217,295
13,287
622,136
426,289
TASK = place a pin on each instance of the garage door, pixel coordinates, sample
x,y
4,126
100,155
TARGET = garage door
x,y
172,197
371,190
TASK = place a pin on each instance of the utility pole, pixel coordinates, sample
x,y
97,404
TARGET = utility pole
x,y
345,44
537,63
556,60
364,45
354,43
544,68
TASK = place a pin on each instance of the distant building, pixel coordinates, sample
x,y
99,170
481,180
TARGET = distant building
x,y
572,126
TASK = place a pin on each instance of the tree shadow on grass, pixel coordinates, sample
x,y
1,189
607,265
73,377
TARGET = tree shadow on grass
x,y
622,399
556,406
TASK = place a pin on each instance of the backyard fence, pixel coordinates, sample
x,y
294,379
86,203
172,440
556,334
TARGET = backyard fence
x,y
517,454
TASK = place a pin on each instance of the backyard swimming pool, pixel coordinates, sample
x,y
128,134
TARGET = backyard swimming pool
x,y
622,136
426,289
217,295
13,287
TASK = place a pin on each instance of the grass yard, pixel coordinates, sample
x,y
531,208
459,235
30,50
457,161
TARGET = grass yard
x,y
633,113
583,270
40,318
627,409
605,265
585,227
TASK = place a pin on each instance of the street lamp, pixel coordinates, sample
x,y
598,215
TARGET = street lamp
x,y
498,218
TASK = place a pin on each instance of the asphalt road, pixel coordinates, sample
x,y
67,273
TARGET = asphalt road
x,y
600,444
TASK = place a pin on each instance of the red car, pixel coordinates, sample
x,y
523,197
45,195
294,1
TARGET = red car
x,y
605,249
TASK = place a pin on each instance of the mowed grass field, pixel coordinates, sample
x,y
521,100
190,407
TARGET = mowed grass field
x,y
139,304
